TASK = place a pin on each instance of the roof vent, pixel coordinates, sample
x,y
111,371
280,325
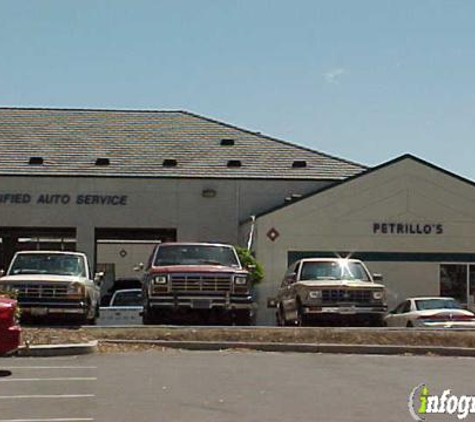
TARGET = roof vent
x,y
293,197
102,162
234,163
227,142
36,161
170,162
299,164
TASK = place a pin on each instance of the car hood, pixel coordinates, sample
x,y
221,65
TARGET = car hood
x,y
340,283
196,269
19,278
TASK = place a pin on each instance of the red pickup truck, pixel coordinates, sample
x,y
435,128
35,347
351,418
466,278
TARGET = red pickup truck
x,y
202,279
9,330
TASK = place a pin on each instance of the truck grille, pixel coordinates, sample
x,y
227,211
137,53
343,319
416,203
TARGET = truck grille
x,y
341,295
41,291
201,283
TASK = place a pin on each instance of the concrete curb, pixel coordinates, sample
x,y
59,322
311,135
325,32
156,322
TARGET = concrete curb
x,y
58,350
271,328
367,349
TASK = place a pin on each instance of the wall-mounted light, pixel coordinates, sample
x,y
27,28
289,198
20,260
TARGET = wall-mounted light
x,y
208,193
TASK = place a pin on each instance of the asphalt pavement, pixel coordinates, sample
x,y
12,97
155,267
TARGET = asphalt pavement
x,y
175,385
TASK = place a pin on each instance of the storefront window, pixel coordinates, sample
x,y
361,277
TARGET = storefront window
x,y
453,281
471,288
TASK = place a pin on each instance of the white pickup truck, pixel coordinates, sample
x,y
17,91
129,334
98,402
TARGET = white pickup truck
x,y
125,308
54,284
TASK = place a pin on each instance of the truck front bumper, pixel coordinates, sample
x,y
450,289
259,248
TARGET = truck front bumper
x,y
344,310
195,301
50,307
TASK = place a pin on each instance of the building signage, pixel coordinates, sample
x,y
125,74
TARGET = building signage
x,y
408,228
62,199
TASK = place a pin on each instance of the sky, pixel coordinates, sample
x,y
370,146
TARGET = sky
x,y
363,80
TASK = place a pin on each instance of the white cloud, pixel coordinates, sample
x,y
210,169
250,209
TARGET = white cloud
x,y
333,75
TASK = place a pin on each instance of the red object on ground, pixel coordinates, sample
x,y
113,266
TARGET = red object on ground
x,y
10,331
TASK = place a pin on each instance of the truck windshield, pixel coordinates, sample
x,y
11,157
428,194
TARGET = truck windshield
x,y
334,270
127,298
57,264
196,255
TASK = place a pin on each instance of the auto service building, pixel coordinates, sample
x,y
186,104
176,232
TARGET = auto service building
x,y
113,183
409,220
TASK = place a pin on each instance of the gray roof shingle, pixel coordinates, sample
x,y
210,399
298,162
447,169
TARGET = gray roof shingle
x,y
137,143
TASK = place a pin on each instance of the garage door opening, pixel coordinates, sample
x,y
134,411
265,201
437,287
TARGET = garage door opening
x,y
119,251
14,239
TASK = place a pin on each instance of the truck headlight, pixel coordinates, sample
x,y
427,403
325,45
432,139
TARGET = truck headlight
x,y
76,290
160,279
240,281
378,295
315,294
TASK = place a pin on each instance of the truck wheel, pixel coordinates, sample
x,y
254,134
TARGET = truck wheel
x,y
149,317
93,319
243,317
377,321
280,317
302,319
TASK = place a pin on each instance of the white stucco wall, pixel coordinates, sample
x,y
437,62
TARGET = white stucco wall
x,y
342,218
150,203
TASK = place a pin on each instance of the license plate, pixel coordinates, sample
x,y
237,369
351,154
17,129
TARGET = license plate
x,y
201,304
347,310
39,311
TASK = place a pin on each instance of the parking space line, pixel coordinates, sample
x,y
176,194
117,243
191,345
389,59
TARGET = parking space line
x,y
45,358
47,396
49,420
48,379
49,367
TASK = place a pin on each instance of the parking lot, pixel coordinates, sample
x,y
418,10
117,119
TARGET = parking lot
x,y
59,389
222,386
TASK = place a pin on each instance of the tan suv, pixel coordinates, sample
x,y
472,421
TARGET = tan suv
x,y
330,290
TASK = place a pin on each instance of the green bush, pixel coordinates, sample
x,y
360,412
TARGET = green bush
x,y
9,294
247,259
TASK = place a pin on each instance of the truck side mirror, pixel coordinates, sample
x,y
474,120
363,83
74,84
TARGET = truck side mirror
x,y
250,267
377,277
271,302
98,277
2,273
139,267
291,278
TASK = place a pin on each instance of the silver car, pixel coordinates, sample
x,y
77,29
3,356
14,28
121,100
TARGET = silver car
x,y
430,312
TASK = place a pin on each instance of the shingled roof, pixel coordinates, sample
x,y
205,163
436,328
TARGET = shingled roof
x,y
69,142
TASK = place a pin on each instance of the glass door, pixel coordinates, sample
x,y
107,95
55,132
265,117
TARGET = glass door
x,y
471,289
458,281
453,281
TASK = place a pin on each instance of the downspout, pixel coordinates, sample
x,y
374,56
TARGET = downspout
x,y
251,233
